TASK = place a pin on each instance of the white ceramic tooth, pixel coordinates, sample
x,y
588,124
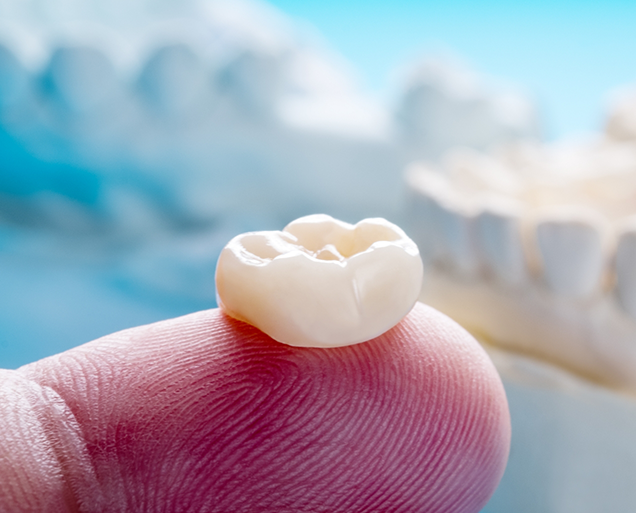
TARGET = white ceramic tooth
x,y
625,266
321,282
80,78
500,242
570,245
172,79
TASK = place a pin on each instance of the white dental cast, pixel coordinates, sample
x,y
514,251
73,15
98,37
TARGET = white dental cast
x,y
321,282
551,238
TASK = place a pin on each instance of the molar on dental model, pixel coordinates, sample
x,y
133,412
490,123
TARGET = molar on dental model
x,y
571,250
500,243
547,224
81,79
625,268
621,121
172,80
321,282
448,236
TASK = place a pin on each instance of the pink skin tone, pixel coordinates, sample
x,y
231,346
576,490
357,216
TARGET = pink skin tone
x,y
205,413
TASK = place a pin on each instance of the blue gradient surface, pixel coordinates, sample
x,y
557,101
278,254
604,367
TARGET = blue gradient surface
x,y
567,55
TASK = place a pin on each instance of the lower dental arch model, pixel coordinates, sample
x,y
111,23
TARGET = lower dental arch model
x,y
534,249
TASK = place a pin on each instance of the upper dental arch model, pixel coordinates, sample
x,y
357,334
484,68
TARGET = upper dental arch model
x,y
133,116
533,249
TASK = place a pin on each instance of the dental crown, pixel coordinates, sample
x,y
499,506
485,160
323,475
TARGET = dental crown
x,y
321,282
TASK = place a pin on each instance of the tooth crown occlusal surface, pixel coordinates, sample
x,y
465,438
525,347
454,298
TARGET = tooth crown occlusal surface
x,y
321,282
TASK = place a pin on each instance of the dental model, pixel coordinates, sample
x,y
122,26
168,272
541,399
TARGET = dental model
x,y
125,117
534,249
444,106
321,282
193,101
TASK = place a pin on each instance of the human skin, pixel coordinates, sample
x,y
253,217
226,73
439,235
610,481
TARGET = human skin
x,y
204,413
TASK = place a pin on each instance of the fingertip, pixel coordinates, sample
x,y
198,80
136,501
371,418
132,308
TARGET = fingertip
x,y
206,406
43,462
473,407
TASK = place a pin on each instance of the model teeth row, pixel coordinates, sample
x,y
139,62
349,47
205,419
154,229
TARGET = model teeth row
x,y
534,249
495,225
173,80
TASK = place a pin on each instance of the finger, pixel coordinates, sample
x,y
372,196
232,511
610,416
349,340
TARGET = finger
x,y
43,462
204,413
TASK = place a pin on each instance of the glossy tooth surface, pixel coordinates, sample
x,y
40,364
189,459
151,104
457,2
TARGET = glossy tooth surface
x,y
499,241
571,249
625,266
321,282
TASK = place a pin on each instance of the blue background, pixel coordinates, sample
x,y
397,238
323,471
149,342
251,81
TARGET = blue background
x,y
566,55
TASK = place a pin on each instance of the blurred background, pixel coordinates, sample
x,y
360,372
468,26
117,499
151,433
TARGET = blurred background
x,y
567,56
138,137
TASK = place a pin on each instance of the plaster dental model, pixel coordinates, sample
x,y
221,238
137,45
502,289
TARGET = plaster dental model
x,y
533,249
170,113
129,117
444,106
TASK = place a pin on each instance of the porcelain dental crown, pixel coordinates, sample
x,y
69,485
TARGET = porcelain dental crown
x,y
321,282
